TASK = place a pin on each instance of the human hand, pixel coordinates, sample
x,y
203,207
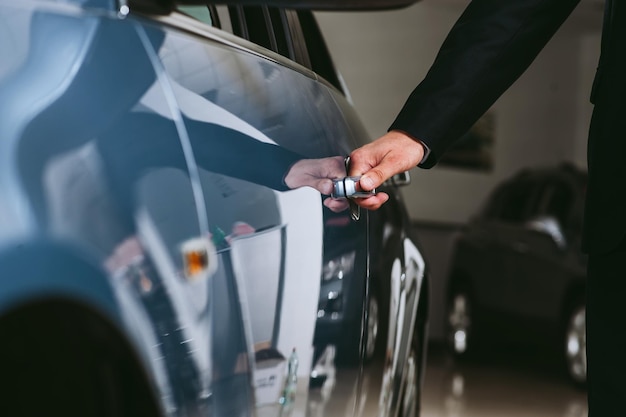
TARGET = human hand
x,y
376,162
319,174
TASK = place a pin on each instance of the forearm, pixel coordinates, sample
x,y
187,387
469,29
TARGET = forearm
x,y
490,46
230,152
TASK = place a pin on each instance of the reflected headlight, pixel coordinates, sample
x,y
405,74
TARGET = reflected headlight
x,y
338,267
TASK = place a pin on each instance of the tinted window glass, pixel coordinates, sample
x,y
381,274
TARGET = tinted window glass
x,y
517,201
494,204
560,202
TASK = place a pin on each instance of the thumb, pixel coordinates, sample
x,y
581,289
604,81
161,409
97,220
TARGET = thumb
x,y
388,155
377,175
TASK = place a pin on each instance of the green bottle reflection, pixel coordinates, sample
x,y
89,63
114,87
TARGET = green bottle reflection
x,y
291,382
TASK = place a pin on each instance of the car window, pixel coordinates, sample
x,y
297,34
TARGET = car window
x,y
492,207
560,202
515,202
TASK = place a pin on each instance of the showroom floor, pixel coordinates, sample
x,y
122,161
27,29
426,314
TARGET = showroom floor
x,y
498,385
503,384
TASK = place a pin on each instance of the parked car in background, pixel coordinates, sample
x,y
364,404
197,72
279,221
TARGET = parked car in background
x,y
517,270
166,232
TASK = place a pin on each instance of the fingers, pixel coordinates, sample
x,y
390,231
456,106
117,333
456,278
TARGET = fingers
x,y
316,173
374,202
376,176
362,160
324,186
391,154
370,203
336,204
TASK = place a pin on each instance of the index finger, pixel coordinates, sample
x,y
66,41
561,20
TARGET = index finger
x,y
374,202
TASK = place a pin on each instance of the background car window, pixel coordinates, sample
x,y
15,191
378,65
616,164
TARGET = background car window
x,y
560,202
520,201
493,205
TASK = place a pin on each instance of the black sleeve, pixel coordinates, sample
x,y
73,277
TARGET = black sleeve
x,y
488,48
144,141
230,152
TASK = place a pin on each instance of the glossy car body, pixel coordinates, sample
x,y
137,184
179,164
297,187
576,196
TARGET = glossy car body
x,y
341,304
153,259
517,270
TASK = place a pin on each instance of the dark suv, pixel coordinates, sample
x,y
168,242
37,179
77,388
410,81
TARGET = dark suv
x,y
517,271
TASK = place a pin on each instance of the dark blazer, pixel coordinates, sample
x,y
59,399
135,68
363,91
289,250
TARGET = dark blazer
x,y
489,47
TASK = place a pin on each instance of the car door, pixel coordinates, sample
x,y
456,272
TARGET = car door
x,y
540,268
522,197
486,246
249,115
97,151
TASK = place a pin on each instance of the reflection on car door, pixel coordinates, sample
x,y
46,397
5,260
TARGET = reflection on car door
x,y
114,181
268,240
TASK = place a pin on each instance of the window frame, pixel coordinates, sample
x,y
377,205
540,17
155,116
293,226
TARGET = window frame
x,y
292,34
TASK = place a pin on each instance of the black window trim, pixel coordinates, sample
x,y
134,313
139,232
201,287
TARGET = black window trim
x,y
181,22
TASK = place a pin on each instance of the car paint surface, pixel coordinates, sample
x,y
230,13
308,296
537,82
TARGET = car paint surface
x,y
141,177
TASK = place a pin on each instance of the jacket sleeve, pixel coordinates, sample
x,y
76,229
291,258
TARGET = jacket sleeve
x,y
488,48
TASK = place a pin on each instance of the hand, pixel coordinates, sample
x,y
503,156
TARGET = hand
x,y
376,162
318,174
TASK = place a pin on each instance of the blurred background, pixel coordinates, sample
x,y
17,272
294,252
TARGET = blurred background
x,y
540,122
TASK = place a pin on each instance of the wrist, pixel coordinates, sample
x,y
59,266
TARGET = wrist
x,y
423,149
